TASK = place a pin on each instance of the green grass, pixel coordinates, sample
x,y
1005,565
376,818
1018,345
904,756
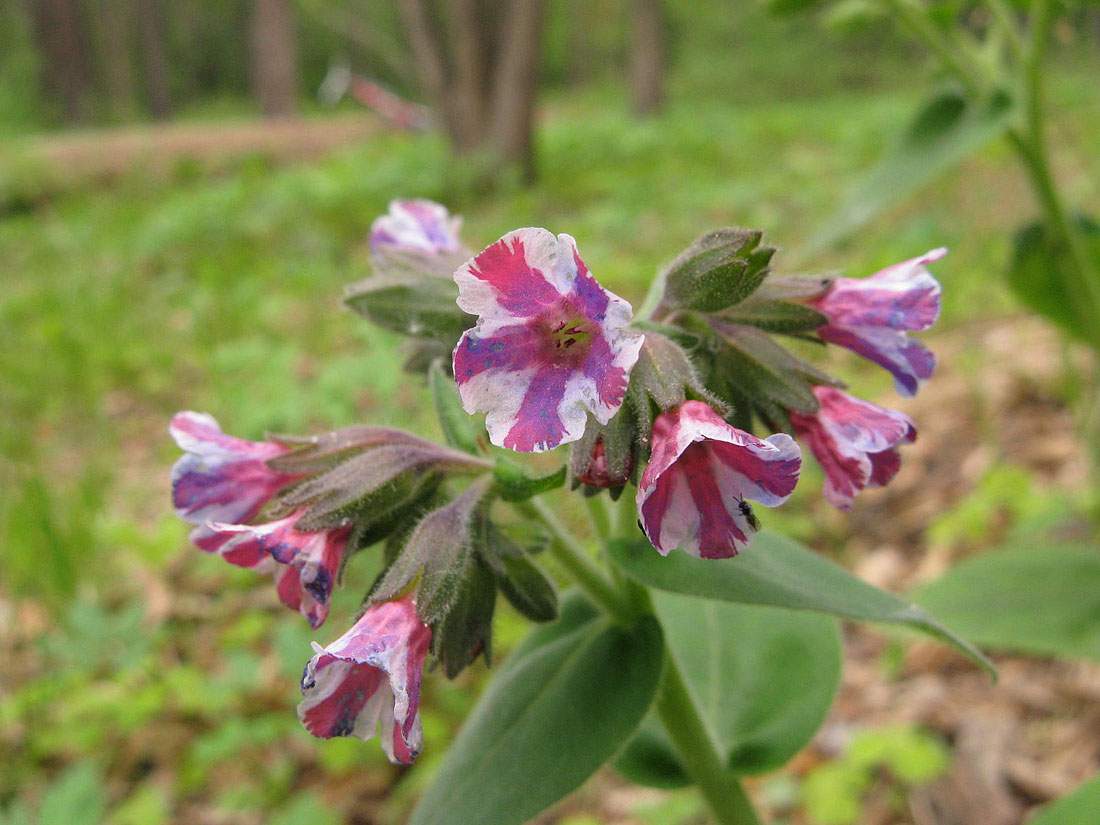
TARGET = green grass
x,y
121,305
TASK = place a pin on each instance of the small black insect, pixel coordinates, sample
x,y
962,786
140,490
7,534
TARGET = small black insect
x,y
746,511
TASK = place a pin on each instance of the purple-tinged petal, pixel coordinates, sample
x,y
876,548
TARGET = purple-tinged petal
x,y
909,361
305,564
871,317
416,226
220,478
550,345
693,493
854,441
368,677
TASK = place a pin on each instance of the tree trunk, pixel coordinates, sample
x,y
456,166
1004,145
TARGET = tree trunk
x,y
516,84
62,43
113,40
647,56
274,57
152,26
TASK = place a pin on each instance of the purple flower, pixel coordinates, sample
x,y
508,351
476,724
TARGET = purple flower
x,y
305,564
371,674
550,346
420,227
854,441
872,317
220,478
692,493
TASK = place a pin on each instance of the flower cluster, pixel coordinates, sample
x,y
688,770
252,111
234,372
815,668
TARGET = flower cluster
x,y
668,402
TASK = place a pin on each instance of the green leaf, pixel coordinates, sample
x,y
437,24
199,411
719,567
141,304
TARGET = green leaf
x,y
527,589
1077,808
465,631
718,270
1027,599
1042,276
457,425
561,705
946,129
775,316
419,306
779,572
513,483
763,679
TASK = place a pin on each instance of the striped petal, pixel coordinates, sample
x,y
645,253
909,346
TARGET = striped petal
x,y
854,441
550,345
419,227
872,316
220,478
368,677
693,493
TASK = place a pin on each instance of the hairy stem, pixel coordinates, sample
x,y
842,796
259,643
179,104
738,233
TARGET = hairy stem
x,y
571,554
722,791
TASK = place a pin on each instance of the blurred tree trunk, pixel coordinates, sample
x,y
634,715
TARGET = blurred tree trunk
x,y
479,67
63,44
274,57
647,56
113,41
152,33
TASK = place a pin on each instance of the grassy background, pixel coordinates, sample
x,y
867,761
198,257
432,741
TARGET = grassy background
x,y
145,683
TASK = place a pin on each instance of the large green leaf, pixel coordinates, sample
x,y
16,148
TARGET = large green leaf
x,y
1078,808
1030,599
563,703
763,679
946,129
779,572
1042,276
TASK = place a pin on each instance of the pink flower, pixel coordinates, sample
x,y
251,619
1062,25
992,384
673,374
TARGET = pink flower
x,y
420,227
872,317
550,346
854,441
305,564
692,494
371,674
220,478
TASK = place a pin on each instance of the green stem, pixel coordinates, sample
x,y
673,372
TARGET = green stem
x,y
597,512
1009,24
954,59
570,553
722,791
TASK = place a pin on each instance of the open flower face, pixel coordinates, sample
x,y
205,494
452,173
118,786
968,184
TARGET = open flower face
x,y
305,564
872,316
854,441
693,492
370,676
220,478
550,344
416,226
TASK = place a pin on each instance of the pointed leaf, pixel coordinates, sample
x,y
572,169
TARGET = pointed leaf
x,y
423,307
465,631
1026,599
718,270
456,423
557,710
775,316
780,572
527,588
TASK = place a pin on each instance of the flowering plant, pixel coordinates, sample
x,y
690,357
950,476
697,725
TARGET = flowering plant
x,y
681,667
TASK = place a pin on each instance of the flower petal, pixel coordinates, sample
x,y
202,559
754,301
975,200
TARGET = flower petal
x,y
416,226
550,345
904,296
692,493
910,362
370,675
854,441
221,478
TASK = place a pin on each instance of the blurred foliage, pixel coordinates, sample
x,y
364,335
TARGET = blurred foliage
x,y
833,792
